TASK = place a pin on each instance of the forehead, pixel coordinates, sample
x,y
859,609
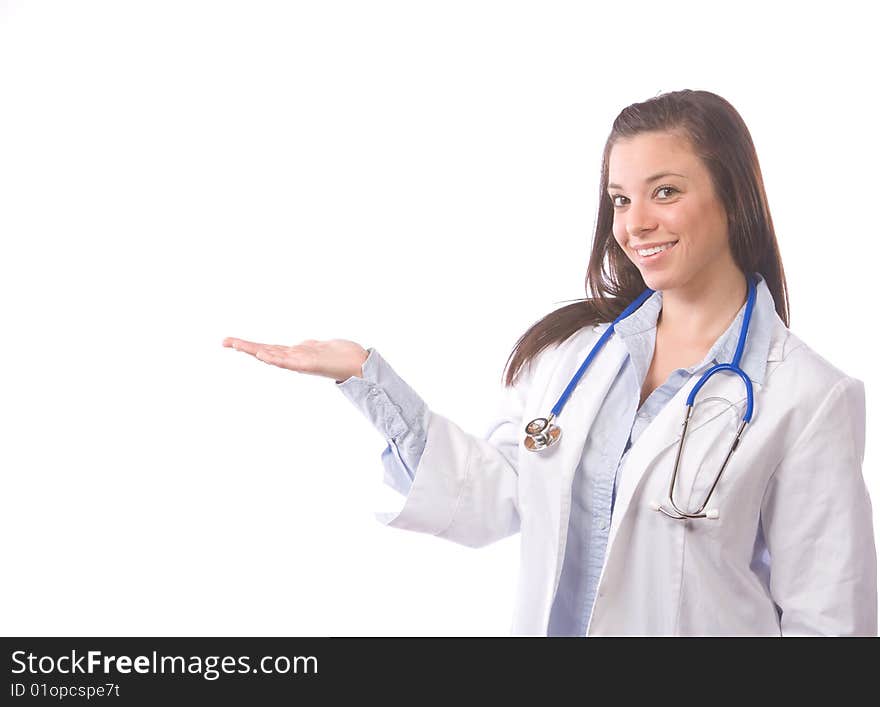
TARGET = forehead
x,y
632,159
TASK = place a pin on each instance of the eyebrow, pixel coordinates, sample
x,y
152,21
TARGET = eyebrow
x,y
650,179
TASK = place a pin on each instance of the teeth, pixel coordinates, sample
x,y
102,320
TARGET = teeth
x,y
651,251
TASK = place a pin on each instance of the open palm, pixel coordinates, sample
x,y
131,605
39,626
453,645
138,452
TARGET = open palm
x,y
335,358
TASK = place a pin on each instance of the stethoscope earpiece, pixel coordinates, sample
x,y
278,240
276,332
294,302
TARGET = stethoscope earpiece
x,y
711,514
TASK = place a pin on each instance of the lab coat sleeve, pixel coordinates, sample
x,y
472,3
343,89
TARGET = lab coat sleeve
x,y
396,411
817,522
466,487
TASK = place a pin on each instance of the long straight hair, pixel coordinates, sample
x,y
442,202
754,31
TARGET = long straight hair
x,y
719,137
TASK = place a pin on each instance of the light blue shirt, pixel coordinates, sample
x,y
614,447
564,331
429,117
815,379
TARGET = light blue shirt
x,y
400,414
396,411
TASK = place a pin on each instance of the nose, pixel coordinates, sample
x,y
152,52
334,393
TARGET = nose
x,y
639,221
635,232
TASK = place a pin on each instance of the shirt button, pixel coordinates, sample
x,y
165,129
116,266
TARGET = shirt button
x,y
604,526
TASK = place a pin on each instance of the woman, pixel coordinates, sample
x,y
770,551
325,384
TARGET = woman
x,y
782,544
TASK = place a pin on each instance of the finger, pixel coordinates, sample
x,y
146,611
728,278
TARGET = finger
x,y
277,356
250,347
266,356
293,358
274,348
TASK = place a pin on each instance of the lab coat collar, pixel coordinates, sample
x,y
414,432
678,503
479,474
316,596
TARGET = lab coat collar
x,y
639,330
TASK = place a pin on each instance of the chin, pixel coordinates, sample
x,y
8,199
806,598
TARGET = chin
x,y
658,281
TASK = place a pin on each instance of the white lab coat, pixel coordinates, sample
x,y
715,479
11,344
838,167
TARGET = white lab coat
x,y
796,477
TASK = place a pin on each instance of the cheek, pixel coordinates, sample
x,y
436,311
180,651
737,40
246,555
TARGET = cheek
x,y
618,230
702,220
619,235
683,220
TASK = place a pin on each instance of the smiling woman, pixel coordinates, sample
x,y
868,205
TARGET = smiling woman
x,y
668,177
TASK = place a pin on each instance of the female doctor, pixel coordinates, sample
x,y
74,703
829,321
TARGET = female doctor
x,y
758,522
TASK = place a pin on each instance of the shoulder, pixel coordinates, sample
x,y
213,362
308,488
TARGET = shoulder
x,y
577,341
798,370
541,366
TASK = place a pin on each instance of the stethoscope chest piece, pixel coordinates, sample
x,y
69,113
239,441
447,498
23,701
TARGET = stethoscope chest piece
x,y
541,433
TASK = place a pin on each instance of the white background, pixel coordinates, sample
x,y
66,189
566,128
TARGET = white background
x,y
418,177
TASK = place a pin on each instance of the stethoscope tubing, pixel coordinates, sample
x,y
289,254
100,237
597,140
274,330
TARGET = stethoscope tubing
x,y
634,305
549,434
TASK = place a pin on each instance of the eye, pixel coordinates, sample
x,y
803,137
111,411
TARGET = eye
x,y
656,191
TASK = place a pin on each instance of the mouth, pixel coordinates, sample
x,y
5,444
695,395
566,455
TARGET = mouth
x,y
648,255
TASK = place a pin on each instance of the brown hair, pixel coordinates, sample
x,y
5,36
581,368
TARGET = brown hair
x,y
719,137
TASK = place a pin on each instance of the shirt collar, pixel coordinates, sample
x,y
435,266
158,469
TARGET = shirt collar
x,y
639,330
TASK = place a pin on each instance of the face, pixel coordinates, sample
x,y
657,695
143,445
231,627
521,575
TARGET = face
x,y
680,207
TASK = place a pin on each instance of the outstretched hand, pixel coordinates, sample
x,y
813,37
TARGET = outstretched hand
x,y
336,358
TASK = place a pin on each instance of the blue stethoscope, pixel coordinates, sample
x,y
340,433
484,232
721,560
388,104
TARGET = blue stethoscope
x,y
541,433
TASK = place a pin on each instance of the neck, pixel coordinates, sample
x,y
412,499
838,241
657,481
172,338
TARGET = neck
x,y
698,312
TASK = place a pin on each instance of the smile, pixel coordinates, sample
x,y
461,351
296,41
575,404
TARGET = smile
x,y
653,252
